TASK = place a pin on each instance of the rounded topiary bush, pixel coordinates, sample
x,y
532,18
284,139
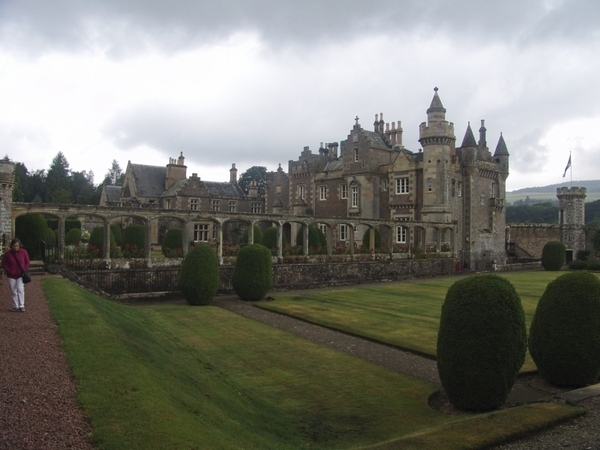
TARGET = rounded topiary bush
x,y
97,240
172,244
31,229
564,338
316,238
257,236
366,240
116,232
199,275
252,277
134,237
553,255
482,342
269,238
73,236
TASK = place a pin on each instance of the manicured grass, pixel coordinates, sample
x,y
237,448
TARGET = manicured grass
x,y
175,376
404,314
182,377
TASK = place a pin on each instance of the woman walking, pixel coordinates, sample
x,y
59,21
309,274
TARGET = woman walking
x,y
14,262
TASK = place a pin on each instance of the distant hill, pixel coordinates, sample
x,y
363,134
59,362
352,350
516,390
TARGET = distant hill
x,y
548,193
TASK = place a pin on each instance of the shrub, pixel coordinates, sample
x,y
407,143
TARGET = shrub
x,y
564,338
366,240
116,232
252,277
199,275
553,255
172,243
133,241
73,236
269,238
482,341
583,255
49,237
257,236
97,240
31,229
578,265
316,238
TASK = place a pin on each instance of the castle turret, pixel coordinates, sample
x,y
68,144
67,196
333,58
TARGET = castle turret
x,y
437,138
501,156
571,219
7,183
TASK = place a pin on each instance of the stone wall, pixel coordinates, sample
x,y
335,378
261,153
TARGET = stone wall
x,y
529,239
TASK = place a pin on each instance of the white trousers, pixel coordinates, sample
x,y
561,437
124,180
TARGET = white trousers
x,y
17,292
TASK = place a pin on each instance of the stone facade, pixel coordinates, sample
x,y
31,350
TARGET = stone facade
x,y
7,183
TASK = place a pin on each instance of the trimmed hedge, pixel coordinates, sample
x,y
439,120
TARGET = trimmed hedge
x,y
257,236
482,342
316,238
31,230
73,236
252,275
564,338
199,275
553,255
116,232
366,240
134,236
269,238
172,243
97,239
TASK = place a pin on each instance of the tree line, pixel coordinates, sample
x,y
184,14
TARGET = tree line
x,y
60,184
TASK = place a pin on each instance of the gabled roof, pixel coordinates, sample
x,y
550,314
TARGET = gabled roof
x,y
332,166
375,140
113,193
149,180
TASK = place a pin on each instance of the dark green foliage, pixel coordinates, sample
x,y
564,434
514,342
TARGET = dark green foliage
x,y
269,238
578,265
199,276
256,174
73,236
49,237
172,244
482,341
544,212
116,232
97,240
316,238
597,240
583,255
553,255
252,275
31,229
134,237
564,338
367,238
257,236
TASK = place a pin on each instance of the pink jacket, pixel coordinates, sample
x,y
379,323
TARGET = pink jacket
x,y
10,266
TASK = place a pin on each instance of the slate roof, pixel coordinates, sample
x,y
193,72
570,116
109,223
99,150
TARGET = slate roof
x,y
224,189
149,180
375,139
333,165
113,193
501,149
469,139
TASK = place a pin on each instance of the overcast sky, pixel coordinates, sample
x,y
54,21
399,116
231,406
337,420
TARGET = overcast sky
x,y
253,82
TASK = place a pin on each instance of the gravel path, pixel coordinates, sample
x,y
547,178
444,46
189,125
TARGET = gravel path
x,y
39,410
37,392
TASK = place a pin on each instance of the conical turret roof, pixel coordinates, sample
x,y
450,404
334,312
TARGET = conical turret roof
x,y
469,139
436,103
501,149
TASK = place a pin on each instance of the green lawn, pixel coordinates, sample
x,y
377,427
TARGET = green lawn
x,y
182,377
404,314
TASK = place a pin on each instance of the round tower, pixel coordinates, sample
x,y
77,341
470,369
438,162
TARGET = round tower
x,y
571,219
7,183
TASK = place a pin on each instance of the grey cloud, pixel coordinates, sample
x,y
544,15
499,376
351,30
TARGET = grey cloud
x,y
122,28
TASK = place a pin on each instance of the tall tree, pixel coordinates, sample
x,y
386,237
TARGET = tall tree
x,y
83,190
254,173
58,180
114,175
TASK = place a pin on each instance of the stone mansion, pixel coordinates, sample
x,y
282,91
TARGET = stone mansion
x,y
441,197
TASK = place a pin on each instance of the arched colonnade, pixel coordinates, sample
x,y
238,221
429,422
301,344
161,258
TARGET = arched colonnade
x,y
429,236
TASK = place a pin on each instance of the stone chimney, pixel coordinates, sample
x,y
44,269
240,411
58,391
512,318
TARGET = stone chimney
x,y
176,170
233,174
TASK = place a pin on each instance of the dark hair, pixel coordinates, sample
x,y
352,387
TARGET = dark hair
x,y
15,241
